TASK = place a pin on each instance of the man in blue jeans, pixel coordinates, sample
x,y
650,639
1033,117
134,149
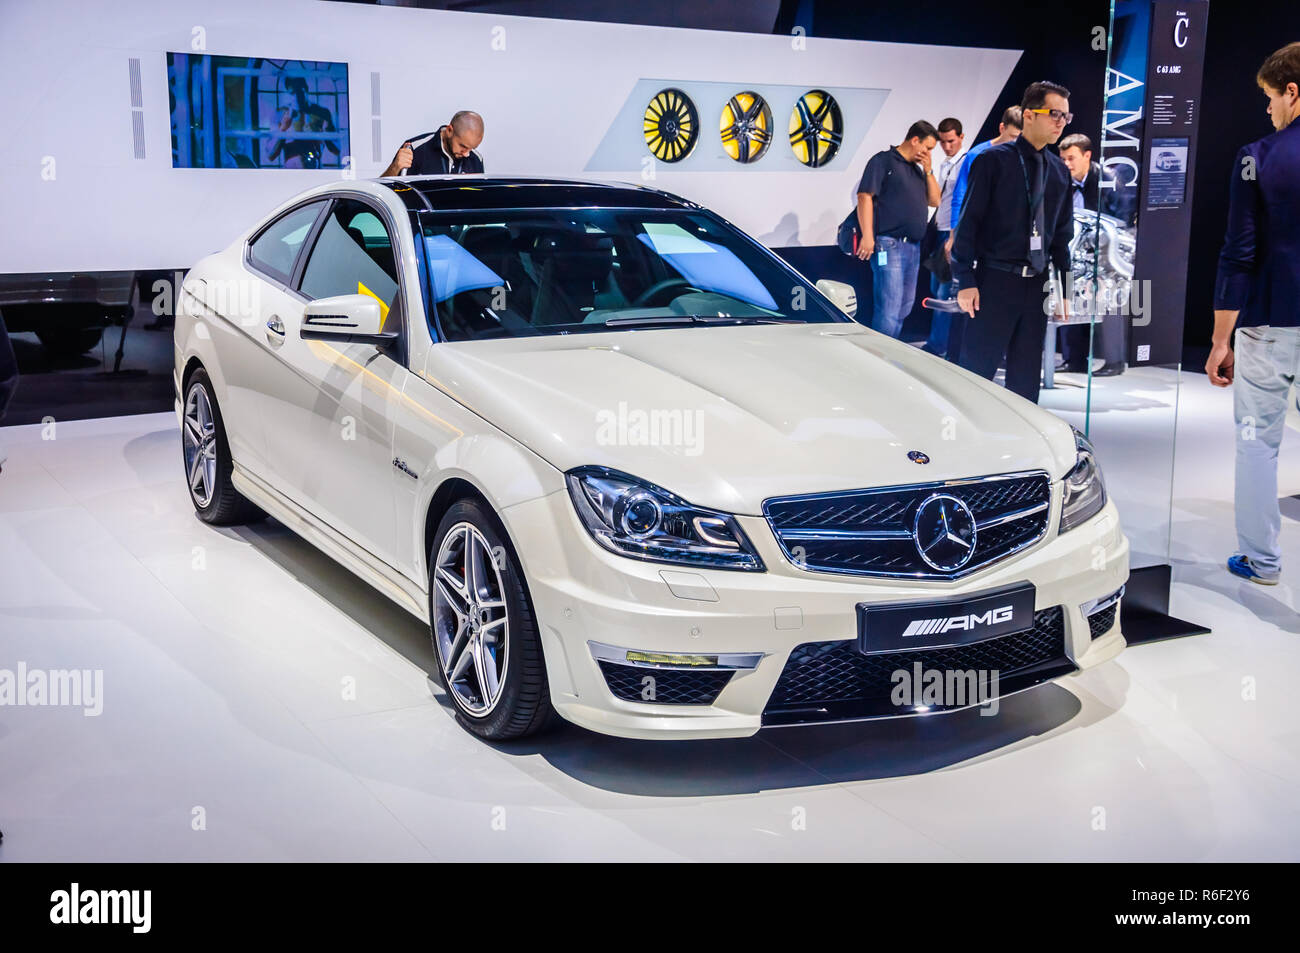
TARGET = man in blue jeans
x,y
1258,292
895,196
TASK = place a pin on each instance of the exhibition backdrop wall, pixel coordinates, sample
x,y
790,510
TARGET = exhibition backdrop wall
x,y
122,186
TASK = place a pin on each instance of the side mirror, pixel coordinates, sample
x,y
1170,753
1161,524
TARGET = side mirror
x,y
842,295
348,319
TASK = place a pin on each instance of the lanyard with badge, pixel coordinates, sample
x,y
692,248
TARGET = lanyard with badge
x,y
1035,239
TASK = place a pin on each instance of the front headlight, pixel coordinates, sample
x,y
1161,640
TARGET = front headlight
x,y
634,518
1085,493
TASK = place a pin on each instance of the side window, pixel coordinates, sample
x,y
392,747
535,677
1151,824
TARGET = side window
x,y
353,255
275,250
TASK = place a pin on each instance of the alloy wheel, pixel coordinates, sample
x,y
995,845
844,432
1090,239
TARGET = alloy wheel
x,y
199,439
470,619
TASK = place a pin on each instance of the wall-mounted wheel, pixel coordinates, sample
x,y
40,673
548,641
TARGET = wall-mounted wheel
x,y
746,127
816,128
671,125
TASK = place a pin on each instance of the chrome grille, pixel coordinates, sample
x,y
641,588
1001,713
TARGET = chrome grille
x,y
870,532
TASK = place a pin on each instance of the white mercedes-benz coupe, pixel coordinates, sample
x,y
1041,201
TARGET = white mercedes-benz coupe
x,y
631,467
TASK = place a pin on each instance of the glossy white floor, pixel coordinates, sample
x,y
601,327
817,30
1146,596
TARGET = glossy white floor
x,y
227,655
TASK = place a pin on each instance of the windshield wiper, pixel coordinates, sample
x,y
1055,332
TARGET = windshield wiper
x,y
742,319
683,319
650,320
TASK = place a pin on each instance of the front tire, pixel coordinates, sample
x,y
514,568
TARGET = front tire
x,y
208,463
487,651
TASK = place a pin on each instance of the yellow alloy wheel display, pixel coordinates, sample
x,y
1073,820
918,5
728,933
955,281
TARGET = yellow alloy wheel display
x,y
746,126
816,128
671,125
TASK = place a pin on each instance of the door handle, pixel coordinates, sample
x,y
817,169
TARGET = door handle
x,y
274,331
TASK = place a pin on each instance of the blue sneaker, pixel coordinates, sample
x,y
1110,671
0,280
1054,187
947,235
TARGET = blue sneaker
x,y
1239,565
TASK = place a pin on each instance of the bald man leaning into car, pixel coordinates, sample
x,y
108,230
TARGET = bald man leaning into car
x,y
448,150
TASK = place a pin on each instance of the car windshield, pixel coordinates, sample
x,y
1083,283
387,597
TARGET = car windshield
x,y
564,271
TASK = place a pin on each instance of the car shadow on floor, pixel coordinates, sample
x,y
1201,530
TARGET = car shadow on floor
x,y
773,759
372,610
809,755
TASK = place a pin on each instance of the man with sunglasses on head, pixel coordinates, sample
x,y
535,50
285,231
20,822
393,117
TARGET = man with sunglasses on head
x,y
1016,219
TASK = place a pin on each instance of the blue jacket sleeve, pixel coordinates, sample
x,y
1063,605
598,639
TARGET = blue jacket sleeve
x,y
1237,259
959,189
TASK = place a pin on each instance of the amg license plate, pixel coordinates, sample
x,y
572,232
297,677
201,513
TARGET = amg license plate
x,y
937,623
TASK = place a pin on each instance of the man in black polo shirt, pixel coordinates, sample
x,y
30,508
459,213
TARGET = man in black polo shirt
x,y
447,151
1017,218
895,196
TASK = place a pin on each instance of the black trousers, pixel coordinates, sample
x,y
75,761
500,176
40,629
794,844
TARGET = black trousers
x,y
1011,322
1108,341
956,334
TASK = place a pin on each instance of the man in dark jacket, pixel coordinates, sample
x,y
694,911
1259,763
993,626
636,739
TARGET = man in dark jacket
x,y
1257,291
1016,219
448,150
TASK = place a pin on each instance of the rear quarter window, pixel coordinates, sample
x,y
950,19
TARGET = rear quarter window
x,y
275,250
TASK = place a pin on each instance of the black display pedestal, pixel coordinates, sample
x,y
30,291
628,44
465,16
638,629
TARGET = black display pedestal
x,y
1144,611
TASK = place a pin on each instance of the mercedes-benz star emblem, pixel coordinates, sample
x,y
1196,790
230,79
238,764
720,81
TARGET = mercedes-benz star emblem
x,y
916,456
944,532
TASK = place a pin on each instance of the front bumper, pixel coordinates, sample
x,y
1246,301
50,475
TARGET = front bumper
x,y
584,596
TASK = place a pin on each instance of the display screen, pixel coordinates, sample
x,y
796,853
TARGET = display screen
x,y
238,112
1167,177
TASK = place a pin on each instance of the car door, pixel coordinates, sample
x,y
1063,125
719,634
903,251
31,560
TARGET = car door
x,y
330,430
243,301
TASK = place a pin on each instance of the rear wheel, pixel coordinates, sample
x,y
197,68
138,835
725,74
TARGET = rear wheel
x,y
208,463
485,642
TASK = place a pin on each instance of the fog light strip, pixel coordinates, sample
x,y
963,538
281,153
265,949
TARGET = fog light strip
x,y
694,661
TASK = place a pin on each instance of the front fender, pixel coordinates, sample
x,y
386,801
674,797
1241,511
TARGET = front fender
x,y
501,470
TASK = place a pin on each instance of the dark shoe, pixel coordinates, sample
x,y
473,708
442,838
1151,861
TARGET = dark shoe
x,y
1110,370
1075,367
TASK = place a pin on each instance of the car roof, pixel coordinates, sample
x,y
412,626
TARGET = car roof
x,y
455,193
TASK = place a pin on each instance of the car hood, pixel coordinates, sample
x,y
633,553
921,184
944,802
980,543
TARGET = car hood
x,y
727,417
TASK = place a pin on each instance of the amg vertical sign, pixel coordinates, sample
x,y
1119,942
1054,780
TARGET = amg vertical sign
x,y
1122,132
